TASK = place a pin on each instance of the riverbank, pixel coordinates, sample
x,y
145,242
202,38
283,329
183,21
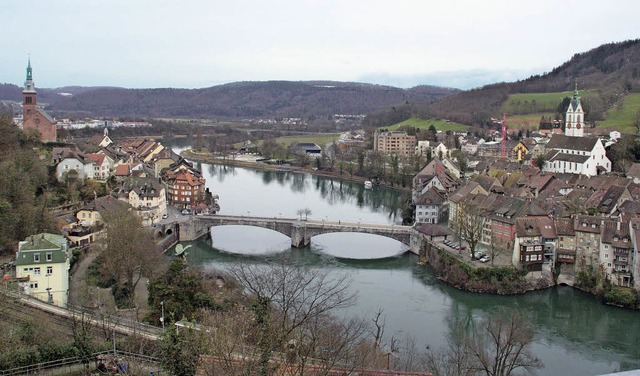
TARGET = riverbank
x,y
251,161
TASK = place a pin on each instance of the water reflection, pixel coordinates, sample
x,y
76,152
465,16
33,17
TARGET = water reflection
x,y
350,245
575,334
282,193
248,240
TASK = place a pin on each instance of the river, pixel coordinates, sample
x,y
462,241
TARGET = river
x,y
575,334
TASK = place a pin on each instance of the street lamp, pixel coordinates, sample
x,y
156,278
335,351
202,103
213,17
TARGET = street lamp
x,y
162,317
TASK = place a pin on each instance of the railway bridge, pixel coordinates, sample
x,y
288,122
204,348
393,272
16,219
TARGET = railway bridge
x,y
300,231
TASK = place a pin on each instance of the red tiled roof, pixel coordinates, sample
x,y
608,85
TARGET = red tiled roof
x,y
123,170
98,158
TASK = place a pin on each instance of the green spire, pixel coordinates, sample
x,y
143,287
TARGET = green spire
x,y
29,73
575,92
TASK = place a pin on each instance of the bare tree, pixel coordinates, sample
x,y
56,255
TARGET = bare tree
x,y
129,251
470,221
453,358
286,300
495,248
501,345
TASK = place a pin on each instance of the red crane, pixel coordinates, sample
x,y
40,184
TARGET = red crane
x,y
504,135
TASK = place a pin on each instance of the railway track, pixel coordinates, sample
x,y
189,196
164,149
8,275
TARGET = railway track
x,y
20,307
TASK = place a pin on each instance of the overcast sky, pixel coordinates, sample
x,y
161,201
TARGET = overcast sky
x,y
201,43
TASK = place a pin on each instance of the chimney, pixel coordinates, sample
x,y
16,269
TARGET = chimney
x,y
618,225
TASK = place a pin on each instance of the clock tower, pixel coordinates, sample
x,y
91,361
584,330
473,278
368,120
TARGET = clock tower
x,y
574,119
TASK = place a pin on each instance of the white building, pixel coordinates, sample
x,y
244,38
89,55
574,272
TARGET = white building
x,y
42,266
430,207
74,165
572,152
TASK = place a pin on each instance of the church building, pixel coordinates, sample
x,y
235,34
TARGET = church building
x,y
573,152
33,117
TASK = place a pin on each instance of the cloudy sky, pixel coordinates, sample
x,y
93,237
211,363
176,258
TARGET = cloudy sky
x,y
201,43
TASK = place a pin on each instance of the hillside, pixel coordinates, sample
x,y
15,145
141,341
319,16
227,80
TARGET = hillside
x,y
605,75
235,100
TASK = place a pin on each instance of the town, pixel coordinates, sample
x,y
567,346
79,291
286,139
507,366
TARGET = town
x,y
546,205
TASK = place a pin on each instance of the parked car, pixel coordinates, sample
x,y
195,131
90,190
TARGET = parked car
x,y
186,211
478,255
485,259
165,216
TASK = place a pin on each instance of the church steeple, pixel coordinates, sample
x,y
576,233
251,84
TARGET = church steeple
x,y
574,122
28,84
29,72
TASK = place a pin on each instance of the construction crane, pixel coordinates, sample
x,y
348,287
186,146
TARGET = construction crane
x,y
503,153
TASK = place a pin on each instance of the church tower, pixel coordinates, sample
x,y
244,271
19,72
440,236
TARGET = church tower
x,y
32,117
29,94
574,120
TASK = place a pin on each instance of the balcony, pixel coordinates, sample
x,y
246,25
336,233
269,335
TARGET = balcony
x,y
621,252
620,262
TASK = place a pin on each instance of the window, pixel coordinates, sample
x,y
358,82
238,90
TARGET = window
x,y
34,285
606,255
609,265
49,270
49,256
36,271
606,246
36,257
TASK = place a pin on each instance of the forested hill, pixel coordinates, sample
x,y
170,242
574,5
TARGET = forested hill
x,y
234,100
610,71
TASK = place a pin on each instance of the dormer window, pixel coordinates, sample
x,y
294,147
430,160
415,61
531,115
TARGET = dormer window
x,y
616,238
624,240
593,225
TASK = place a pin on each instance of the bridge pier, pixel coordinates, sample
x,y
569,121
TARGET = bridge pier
x,y
299,238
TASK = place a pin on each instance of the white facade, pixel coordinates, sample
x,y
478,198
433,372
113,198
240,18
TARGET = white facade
x,y
428,213
574,121
583,162
84,169
42,263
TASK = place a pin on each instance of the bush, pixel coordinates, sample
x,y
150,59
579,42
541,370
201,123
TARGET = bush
x,y
122,296
95,275
620,296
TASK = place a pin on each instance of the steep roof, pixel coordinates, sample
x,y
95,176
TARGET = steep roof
x,y
431,197
615,233
564,226
97,158
543,226
586,223
634,171
123,170
560,141
43,241
432,229
105,204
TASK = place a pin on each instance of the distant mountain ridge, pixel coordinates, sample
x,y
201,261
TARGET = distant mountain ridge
x,y
611,71
305,99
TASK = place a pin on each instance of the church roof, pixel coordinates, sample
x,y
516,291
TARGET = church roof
x,y
560,141
564,157
46,116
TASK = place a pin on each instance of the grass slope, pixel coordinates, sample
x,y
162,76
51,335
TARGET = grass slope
x,y
536,103
319,139
623,116
441,125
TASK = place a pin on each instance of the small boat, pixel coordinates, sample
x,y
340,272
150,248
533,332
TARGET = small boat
x,y
368,184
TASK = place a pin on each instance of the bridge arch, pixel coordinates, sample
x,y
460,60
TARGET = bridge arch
x,y
300,232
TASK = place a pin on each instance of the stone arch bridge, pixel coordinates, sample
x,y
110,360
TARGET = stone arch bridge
x,y
299,231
